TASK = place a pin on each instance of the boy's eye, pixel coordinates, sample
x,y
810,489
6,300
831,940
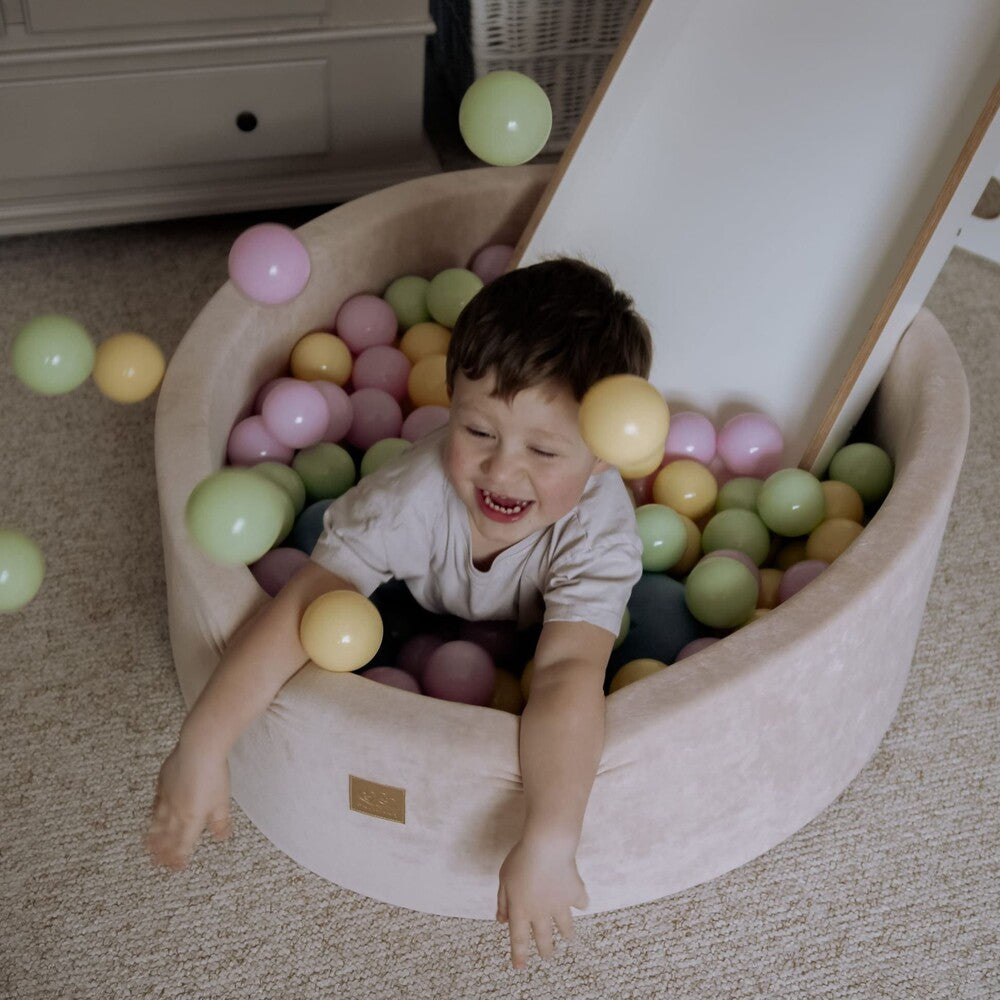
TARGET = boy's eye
x,y
478,433
544,454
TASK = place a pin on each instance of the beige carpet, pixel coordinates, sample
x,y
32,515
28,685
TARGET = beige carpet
x,y
892,892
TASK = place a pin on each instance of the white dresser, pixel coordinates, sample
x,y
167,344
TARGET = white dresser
x,y
125,110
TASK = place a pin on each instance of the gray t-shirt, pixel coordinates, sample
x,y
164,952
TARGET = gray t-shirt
x,y
406,521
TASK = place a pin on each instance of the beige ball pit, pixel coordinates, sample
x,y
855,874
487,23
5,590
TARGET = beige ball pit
x,y
706,765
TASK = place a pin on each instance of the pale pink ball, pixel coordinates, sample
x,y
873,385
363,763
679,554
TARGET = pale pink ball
x,y
269,263
275,568
364,321
251,442
423,420
694,646
382,367
490,262
296,413
797,576
376,416
393,678
338,402
642,489
460,671
263,391
415,652
691,435
751,444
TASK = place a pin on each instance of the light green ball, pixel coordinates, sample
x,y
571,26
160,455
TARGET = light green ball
x,y
866,467
449,292
737,529
381,452
791,502
721,593
408,298
663,535
327,470
740,492
235,516
505,118
288,479
52,354
22,568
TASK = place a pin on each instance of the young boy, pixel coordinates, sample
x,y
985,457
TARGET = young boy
x,y
502,514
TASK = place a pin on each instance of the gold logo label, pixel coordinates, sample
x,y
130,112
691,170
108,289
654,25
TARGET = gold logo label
x,y
381,801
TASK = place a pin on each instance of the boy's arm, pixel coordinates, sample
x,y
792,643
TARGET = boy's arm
x,y
193,786
562,736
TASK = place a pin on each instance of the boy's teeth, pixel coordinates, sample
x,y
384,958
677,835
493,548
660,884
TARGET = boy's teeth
x,y
515,508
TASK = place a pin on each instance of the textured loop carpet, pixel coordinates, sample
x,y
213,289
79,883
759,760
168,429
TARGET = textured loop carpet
x,y
892,892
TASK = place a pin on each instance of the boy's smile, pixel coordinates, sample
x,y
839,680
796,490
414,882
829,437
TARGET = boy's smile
x,y
518,466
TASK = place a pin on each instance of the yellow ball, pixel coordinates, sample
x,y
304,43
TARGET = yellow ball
x,y
428,384
321,355
829,539
128,367
692,549
507,696
635,670
423,339
842,500
767,595
791,553
686,486
643,468
624,420
341,630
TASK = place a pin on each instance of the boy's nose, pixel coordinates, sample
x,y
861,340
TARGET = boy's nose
x,y
500,465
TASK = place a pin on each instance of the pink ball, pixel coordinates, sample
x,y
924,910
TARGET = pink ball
x,y
642,489
269,264
751,444
338,402
296,413
251,442
739,557
498,638
382,367
376,416
718,469
694,646
797,576
460,671
491,262
423,420
262,392
393,678
415,652
691,435
275,568
364,321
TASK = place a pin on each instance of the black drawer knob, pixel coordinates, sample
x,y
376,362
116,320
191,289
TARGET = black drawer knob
x,y
246,121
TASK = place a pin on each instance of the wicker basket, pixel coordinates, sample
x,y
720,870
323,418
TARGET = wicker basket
x,y
563,45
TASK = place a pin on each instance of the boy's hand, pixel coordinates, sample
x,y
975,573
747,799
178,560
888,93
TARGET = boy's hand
x,y
539,882
192,794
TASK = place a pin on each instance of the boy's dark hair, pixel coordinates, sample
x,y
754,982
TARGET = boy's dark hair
x,y
561,320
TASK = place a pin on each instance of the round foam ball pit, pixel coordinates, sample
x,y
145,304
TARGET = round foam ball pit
x,y
707,764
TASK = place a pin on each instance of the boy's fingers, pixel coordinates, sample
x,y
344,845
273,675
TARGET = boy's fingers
x,y
220,826
542,931
564,922
519,941
502,905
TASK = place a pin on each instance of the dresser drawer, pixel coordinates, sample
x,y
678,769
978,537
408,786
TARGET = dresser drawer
x,y
130,121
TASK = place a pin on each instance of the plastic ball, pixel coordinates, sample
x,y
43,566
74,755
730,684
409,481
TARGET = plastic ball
x,y
422,421
770,581
364,321
275,568
507,694
490,262
635,670
505,118
262,392
798,576
721,593
423,339
321,355
327,470
460,671
643,468
392,677
687,487
376,416
251,442
307,527
296,413
624,421
381,452
449,292
382,367
235,516
737,529
739,557
866,467
52,354
341,630
22,569
751,444
843,500
340,409
415,652
831,538
428,382
791,552
288,479
695,646
128,367
692,548
499,638
660,622
691,435
740,492
407,297
791,502
663,536
269,263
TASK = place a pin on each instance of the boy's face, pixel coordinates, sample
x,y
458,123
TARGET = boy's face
x,y
519,466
